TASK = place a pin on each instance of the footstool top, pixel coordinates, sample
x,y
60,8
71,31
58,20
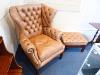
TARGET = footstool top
x,y
74,38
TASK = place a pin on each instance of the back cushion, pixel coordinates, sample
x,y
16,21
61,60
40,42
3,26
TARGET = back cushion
x,y
30,19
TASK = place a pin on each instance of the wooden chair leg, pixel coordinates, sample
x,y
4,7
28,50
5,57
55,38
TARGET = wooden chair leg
x,y
37,72
61,55
82,50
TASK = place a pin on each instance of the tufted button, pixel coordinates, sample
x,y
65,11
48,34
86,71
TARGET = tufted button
x,y
50,14
28,9
24,20
35,17
30,19
33,9
23,10
26,15
33,30
32,22
25,29
38,8
48,9
31,27
29,32
37,13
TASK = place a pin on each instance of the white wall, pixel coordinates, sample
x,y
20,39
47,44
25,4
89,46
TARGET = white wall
x,y
90,13
69,5
68,18
7,31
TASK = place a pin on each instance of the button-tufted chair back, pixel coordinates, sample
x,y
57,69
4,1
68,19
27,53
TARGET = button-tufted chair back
x,y
31,18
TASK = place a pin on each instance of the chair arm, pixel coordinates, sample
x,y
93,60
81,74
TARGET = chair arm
x,y
53,33
29,49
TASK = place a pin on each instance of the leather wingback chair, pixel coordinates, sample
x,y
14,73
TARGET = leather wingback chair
x,y
40,42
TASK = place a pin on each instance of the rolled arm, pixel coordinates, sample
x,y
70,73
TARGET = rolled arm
x,y
53,33
29,49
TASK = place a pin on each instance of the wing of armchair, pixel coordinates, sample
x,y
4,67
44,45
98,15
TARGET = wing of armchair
x,y
53,33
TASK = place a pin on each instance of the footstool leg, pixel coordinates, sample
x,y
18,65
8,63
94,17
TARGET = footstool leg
x,y
82,50
66,48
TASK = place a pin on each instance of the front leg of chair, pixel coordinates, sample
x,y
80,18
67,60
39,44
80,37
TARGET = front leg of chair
x,y
37,72
61,55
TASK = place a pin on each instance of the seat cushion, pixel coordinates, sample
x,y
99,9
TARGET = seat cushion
x,y
45,46
74,38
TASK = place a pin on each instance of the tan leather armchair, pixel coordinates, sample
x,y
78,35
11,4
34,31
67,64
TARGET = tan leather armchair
x,y
40,42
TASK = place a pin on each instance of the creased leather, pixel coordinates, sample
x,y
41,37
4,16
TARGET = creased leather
x,y
53,33
27,45
45,46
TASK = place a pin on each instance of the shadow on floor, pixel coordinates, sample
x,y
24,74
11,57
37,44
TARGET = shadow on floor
x,y
68,65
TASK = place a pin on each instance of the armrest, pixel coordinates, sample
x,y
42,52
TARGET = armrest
x,y
53,33
29,48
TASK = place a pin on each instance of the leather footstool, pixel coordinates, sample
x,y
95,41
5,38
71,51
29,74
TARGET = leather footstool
x,y
74,39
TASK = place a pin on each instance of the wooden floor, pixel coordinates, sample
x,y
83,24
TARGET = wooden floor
x,y
8,64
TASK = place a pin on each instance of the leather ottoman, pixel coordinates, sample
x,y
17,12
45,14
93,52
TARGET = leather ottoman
x,y
74,39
